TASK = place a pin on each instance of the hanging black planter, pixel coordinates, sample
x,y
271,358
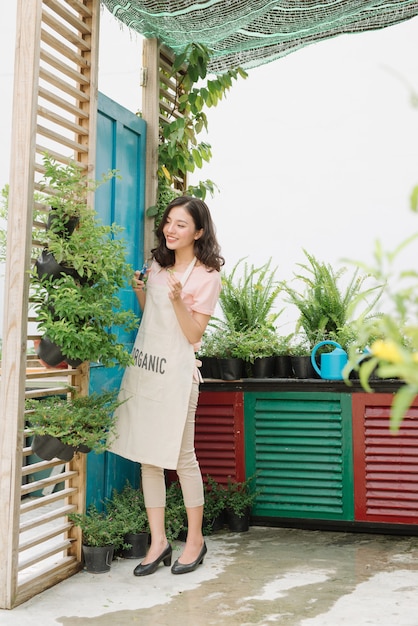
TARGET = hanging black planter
x,y
47,266
52,355
49,352
48,448
66,226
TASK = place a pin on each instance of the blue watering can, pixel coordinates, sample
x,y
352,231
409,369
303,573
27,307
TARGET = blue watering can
x,y
332,363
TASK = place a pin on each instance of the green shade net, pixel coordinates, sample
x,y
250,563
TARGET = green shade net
x,y
248,33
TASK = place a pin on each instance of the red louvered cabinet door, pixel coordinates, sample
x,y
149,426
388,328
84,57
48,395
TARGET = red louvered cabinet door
x,y
219,437
385,464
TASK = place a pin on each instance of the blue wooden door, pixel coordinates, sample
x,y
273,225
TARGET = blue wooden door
x,y
121,137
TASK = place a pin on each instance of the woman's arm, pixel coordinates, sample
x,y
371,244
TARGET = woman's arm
x,y
192,324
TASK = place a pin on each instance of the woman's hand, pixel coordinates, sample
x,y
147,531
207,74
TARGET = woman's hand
x,y
137,283
174,287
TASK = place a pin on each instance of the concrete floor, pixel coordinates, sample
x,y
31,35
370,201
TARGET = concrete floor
x,y
265,576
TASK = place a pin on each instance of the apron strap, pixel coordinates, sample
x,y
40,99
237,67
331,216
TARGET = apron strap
x,y
188,271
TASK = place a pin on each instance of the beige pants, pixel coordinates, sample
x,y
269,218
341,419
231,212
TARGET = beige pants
x,y
188,470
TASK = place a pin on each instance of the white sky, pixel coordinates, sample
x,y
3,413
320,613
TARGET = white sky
x,y
317,150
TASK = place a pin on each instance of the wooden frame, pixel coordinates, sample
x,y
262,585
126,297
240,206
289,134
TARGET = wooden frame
x,y
54,109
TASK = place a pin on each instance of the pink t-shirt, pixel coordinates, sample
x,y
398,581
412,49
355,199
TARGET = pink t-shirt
x,y
201,291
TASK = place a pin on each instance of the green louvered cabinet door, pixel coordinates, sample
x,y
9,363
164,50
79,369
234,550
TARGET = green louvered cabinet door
x,y
299,445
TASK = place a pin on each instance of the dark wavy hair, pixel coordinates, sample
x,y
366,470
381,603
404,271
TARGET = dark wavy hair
x,y
206,248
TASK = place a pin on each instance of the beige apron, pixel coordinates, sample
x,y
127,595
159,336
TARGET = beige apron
x,y
158,386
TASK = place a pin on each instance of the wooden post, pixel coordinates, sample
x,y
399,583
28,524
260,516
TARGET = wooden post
x,y
16,289
150,113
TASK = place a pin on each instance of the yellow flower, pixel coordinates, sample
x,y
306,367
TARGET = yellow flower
x,y
387,351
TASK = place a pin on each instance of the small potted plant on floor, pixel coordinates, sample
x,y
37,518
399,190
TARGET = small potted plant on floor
x,y
214,508
101,536
239,500
175,513
128,508
64,425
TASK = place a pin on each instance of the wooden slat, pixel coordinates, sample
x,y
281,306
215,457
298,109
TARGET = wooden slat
x,y
33,505
64,141
45,578
44,554
64,68
52,97
68,16
37,467
66,33
67,52
39,393
46,518
61,121
77,94
81,8
46,482
45,536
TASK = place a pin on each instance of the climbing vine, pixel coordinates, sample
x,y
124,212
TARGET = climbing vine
x,y
183,119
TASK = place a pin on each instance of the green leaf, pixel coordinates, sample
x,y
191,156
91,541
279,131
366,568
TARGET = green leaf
x,y
401,403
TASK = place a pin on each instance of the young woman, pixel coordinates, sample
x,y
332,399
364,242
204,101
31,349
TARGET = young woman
x,y
156,423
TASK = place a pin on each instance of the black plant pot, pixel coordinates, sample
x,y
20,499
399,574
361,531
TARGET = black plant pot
x,y
46,265
49,352
139,545
302,367
217,523
98,559
231,369
73,362
283,366
238,523
263,367
210,367
48,448
68,226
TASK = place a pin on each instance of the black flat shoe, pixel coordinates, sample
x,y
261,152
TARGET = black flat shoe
x,y
149,568
185,568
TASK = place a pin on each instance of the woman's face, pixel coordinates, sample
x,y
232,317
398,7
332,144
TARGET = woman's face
x,y
179,230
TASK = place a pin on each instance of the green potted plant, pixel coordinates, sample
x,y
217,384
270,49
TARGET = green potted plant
x,y
224,345
239,500
64,425
79,312
128,507
325,306
300,356
175,513
214,508
101,536
283,361
246,332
